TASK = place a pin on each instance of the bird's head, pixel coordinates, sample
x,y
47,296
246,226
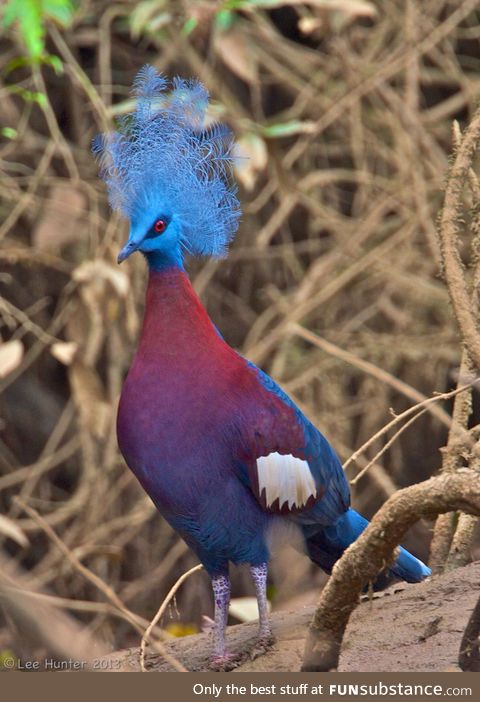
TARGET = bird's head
x,y
169,175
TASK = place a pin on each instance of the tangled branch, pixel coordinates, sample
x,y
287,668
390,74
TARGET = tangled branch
x,y
372,552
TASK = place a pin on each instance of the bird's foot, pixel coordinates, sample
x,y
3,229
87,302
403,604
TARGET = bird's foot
x,y
263,644
222,663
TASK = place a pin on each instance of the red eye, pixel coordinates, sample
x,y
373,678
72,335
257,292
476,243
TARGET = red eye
x,y
160,226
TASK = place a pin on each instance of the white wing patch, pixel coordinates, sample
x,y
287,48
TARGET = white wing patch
x,y
286,478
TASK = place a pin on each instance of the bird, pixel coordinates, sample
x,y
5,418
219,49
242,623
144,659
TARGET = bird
x,y
223,452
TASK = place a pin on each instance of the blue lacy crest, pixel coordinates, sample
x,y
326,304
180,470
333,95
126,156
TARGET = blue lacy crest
x,y
162,152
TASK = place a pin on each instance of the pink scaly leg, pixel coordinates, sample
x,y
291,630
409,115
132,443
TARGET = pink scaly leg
x,y
259,576
221,592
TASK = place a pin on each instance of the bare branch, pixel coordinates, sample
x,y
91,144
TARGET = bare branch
x,y
451,216
372,552
469,654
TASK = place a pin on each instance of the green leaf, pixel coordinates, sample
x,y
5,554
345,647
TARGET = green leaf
x,y
40,98
54,61
9,14
31,27
284,129
59,10
21,61
9,132
17,62
31,16
224,20
28,95
189,26
234,5
27,15
250,4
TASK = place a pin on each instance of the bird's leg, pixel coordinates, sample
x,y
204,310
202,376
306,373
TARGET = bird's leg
x,y
221,594
259,576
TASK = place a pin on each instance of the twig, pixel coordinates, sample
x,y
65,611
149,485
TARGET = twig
x,y
161,610
400,417
25,200
42,466
96,581
386,446
52,123
78,566
369,368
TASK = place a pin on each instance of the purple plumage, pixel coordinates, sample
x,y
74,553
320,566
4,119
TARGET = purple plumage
x,y
219,447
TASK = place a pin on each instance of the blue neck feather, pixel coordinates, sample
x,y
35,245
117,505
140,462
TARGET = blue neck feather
x,y
165,259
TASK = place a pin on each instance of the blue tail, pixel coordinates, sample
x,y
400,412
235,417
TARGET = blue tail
x,y
325,545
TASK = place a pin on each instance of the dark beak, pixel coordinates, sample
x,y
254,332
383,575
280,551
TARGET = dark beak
x,y
128,249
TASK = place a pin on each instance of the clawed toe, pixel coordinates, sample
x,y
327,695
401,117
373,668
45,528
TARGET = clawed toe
x,y
263,644
225,662
228,661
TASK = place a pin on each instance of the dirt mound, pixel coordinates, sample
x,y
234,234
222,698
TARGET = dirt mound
x,y
406,628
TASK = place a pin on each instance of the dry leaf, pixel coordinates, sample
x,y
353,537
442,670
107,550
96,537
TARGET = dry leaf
x,y
11,354
93,271
236,53
354,8
245,608
64,351
308,25
334,15
10,529
146,18
61,221
89,398
250,158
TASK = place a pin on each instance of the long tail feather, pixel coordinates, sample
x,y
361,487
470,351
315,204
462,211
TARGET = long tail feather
x,y
325,545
